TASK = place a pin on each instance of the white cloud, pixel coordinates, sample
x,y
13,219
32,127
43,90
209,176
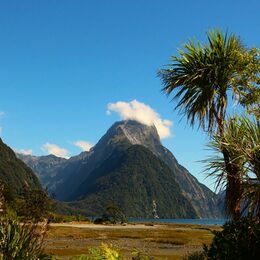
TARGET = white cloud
x,y
142,113
2,113
1,130
83,145
55,150
24,151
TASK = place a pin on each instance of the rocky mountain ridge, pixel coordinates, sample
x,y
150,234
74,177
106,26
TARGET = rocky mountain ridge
x,y
72,175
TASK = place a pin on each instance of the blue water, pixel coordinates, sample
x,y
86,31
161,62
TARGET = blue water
x,y
218,222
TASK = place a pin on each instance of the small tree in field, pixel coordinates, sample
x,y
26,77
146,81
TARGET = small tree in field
x,y
35,205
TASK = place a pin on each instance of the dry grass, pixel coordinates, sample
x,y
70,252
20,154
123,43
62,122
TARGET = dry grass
x,y
171,241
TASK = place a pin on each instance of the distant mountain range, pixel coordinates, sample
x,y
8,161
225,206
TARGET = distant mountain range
x,y
131,169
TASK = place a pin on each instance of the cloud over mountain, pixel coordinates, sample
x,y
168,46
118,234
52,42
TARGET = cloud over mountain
x,y
83,145
55,150
135,110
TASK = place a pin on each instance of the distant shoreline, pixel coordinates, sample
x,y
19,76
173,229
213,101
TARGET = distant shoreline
x,y
180,221
218,222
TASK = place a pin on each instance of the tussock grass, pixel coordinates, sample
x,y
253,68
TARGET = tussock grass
x,y
161,241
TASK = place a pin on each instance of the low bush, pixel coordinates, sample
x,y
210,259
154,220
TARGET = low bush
x,y
58,218
112,215
196,256
238,240
109,252
21,241
105,252
137,255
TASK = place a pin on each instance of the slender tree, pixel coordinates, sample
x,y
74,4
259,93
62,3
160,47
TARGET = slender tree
x,y
202,79
241,139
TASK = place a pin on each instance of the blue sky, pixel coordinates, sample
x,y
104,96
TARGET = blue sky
x,y
62,62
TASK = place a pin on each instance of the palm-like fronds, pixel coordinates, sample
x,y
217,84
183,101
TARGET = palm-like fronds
x,y
241,175
202,76
20,241
200,79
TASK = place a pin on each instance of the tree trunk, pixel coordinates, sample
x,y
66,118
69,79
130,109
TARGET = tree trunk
x,y
234,187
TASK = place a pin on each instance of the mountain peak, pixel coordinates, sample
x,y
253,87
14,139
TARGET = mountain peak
x,y
130,132
138,133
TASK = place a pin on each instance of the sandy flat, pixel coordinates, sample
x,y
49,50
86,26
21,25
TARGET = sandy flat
x,y
99,226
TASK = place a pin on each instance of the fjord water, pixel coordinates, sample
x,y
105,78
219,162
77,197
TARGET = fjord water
x,y
218,222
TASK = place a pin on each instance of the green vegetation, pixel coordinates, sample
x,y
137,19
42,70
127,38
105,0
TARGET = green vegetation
x,y
238,240
202,79
20,241
34,205
137,255
109,252
112,215
58,218
74,173
30,205
131,180
241,139
20,187
157,241
200,255
103,252
14,174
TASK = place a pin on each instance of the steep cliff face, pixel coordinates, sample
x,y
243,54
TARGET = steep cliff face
x,y
205,201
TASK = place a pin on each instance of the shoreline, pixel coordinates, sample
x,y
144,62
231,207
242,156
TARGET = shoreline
x,y
131,225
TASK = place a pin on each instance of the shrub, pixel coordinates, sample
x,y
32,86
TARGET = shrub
x,y
20,241
34,205
238,240
112,215
137,255
196,256
58,218
105,252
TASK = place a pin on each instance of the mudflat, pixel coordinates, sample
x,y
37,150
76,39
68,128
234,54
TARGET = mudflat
x,y
162,241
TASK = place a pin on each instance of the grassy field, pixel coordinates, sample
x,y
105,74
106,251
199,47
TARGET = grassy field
x,y
171,241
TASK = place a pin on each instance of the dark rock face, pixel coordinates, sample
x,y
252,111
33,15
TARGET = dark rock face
x,y
77,178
